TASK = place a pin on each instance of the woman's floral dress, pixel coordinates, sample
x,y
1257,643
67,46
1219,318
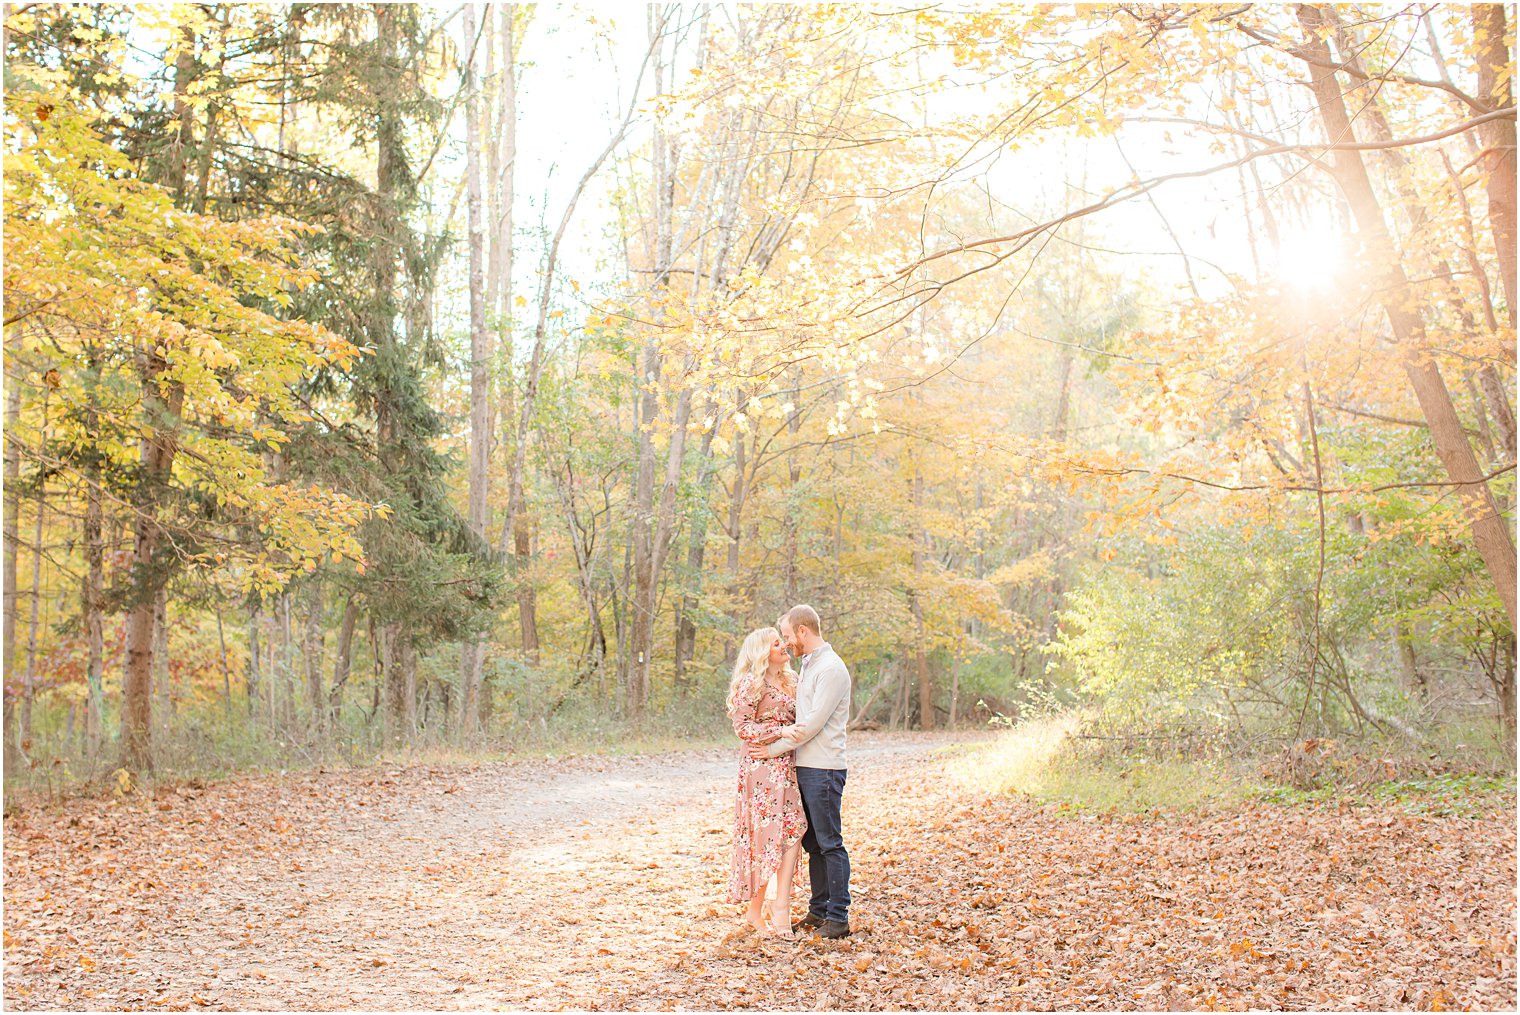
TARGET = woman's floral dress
x,y
768,815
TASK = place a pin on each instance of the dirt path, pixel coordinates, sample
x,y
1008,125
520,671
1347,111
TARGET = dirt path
x,y
568,883
598,883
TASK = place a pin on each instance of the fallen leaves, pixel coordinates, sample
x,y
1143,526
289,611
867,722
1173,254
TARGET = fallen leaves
x,y
496,900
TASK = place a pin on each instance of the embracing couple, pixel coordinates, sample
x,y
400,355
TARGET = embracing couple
x,y
791,776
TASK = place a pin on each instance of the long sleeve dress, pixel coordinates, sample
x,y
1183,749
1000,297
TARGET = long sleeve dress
x,y
768,815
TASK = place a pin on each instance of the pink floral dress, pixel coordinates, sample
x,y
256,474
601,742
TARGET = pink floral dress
x,y
768,815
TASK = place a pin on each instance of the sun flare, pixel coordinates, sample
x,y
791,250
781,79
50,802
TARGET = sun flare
x,y
1311,260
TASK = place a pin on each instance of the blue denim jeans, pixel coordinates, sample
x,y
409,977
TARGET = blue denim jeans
x,y
828,863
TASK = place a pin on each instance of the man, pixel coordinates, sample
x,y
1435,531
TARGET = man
x,y
823,709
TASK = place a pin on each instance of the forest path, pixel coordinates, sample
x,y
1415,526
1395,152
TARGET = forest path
x,y
522,884
598,883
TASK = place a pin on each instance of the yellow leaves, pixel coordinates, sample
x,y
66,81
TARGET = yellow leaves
x,y
1034,568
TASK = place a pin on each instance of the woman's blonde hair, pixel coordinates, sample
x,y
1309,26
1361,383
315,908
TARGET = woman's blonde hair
x,y
750,669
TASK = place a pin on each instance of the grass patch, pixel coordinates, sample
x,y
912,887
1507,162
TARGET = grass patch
x,y
1452,794
1050,761
1045,761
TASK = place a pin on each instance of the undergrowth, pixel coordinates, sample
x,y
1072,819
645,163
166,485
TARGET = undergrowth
x,y
210,752
1458,770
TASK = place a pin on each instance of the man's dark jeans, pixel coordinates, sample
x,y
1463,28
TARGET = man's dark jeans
x,y
828,863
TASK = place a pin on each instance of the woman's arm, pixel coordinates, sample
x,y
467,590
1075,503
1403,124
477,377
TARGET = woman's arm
x,y
747,727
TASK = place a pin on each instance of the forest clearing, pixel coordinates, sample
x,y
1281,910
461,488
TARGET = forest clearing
x,y
434,433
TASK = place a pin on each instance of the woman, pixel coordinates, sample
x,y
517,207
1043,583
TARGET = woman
x,y
769,820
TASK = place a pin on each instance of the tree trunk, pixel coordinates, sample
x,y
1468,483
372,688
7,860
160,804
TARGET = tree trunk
x,y
916,606
12,537
162,400
157,457
517,537
1411,664
91,598
636,683
735,525
794,481
315,697
955,685
254,649
1505,671
163,684
582,544
29,677
527,596
344,664
1495,89
221,640
503,167
406,654
398,703
1490,531
696,551
1417,210
480,371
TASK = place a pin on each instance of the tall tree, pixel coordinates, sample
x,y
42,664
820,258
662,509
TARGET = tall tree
x,y
480,440
1491,533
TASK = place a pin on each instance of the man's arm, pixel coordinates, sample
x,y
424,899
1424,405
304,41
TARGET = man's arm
x,y
831,685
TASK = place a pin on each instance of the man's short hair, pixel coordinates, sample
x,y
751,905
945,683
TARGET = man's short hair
x,y
804,616
783,622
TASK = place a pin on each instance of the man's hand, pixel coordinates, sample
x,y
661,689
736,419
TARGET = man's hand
x,y
762,751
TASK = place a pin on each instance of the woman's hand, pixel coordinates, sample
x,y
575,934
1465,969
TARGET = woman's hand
x,y
794,731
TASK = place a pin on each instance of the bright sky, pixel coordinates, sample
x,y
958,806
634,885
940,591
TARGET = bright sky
x,y
579,62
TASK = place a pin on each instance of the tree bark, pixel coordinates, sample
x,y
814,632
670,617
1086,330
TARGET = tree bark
x,y
163,686
221,641
252,679
29,677
12,538
504,189
162,401
1410,662
480,370
93,592
794,482
916,606
641,606
343,665
696,551
1495,89
582,544
400,702
157,461
315,697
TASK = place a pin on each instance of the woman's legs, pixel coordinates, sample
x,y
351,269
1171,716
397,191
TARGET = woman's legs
x,y
781,908
755,916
